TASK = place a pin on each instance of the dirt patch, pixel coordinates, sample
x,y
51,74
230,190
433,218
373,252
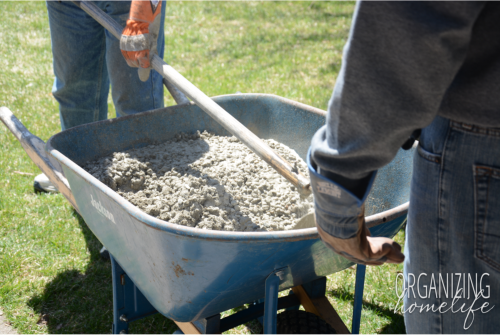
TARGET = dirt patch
x,y
208,182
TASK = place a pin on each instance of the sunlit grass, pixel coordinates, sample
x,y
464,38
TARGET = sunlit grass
x,y
52,279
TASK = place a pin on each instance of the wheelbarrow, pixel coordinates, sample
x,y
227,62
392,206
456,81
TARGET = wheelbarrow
x,y
191,275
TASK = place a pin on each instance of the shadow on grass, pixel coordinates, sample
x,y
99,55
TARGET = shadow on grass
x,y
397,324
76,302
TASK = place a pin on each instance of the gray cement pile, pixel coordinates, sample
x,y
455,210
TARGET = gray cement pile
x,y
208,182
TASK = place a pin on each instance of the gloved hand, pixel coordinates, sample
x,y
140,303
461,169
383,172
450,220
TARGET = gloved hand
x,y
140,36
341,225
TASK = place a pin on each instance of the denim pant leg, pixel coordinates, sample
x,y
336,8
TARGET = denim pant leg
x,y
81,84
453,234
86,57
130,94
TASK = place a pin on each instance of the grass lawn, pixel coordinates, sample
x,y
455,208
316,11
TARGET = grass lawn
x,y
52,279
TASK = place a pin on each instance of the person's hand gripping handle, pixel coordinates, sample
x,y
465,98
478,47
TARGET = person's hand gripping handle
x,y
140,36
362,248
340,218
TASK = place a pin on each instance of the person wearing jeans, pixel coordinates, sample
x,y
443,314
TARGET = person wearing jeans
x,y
433,66
453,230
87,59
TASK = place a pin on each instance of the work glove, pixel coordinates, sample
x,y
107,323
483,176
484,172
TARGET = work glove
x,y
340,220
140,36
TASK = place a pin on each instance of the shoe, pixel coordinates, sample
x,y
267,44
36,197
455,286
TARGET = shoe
x,y
43,184
104,253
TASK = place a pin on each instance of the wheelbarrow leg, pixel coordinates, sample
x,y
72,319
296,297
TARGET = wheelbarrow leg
x,y
271,303
129,304
312,297
210,325
119,327
358,298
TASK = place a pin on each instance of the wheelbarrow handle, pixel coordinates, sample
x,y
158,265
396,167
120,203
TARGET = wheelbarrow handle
x,y
178,96
35,148
209,106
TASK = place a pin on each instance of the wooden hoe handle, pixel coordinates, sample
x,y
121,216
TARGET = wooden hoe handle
x,y
209,106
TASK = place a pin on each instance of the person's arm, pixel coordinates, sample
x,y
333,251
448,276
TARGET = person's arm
x,y
398,63
139,38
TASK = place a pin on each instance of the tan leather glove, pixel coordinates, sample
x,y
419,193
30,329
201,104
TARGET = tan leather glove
x,y
140,36
340,218
364,249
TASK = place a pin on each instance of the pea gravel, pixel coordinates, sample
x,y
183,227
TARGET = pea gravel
x,y
206,181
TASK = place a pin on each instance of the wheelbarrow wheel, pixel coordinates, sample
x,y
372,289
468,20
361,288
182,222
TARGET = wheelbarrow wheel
x,y
300,322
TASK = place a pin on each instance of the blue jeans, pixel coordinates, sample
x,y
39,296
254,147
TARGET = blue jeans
x,y
453,231
87,59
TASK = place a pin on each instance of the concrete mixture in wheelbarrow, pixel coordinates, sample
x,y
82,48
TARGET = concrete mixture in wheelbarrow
x,y
208,182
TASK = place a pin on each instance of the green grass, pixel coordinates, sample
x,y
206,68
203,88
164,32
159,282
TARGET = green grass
x,y
51,277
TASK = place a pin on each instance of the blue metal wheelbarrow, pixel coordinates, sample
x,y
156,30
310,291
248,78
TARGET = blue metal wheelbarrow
x,y
191,275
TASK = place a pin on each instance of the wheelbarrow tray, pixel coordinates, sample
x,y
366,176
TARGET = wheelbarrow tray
x,y
188,273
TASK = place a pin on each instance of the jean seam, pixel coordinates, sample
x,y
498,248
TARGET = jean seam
x,y
153,88
441,218
439,315
473,129
480,236
441,172
102,59
476,228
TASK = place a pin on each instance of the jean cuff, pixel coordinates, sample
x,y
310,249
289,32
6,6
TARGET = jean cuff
x,y
337,209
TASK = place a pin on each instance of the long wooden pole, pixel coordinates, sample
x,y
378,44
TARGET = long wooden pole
x,y
209,106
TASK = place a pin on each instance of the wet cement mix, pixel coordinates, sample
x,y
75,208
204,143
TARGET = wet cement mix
x,y
206,181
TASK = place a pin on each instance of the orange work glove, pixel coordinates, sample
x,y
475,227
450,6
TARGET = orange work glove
x,y
140,36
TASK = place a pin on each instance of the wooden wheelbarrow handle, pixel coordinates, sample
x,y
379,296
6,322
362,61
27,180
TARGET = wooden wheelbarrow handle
x,y
209,106
35,148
